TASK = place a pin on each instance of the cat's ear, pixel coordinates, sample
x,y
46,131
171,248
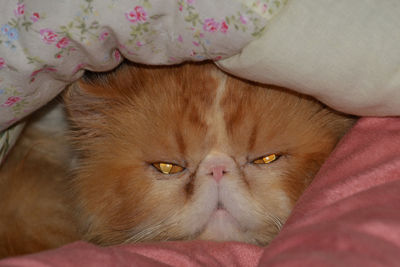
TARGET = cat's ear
x,y
101,84
89,103
94,101
339,123
96,92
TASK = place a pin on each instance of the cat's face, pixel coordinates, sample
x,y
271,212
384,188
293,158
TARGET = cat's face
x,y
191,153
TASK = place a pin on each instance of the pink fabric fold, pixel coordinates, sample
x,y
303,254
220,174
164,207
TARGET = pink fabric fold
x,y
349,216
195,253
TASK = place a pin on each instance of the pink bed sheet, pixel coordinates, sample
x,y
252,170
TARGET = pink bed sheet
x,y
349,216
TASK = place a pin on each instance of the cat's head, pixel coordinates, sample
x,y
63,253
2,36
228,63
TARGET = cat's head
x,y
188,152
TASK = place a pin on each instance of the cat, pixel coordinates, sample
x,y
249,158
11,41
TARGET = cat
x,y
167,153
35,211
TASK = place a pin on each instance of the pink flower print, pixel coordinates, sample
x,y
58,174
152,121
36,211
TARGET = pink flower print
x,y
35,17
138,14
139,44
210,25
180,8
190,2
46,69
48,36
196,43
2,63
121,46
63,42
50,69
224,27
131,16
264,8
103,36
19,10
117,55
244,19
141,14
11,101
180,38
78,67
34,73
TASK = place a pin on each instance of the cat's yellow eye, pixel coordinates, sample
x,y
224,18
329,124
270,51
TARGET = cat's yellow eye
x,y
266,159
167,168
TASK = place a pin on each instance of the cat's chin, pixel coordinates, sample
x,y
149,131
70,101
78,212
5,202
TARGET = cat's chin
x,y
222,226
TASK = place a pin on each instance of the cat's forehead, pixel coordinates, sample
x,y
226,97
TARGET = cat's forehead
x,y
199,107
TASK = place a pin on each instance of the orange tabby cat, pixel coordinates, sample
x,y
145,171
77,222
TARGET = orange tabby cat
x,y
167,153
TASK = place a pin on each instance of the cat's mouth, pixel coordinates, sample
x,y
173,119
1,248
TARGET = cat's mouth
x,y
223,214
220,206
222,226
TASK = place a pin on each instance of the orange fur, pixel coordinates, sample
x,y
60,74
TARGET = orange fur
x,y
34,208
124,121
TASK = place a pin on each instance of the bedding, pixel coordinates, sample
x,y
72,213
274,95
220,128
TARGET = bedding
x,y
347,217
344,53
42,51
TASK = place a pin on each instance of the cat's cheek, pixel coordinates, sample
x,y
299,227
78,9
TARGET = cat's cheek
x,y
186,213
168,187
267,186
172,192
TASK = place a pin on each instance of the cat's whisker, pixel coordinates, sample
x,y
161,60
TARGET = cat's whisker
x,y
277,222
146,233
151,232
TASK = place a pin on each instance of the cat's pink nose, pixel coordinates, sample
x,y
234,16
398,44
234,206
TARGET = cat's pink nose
x,y
218,172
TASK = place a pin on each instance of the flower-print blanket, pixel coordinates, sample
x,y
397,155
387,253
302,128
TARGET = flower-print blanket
x,y
47,44
345,53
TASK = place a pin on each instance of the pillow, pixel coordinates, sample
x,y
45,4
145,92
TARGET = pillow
x,y
345,53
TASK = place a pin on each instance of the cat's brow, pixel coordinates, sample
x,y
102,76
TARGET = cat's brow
x,y
252,137
181,142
